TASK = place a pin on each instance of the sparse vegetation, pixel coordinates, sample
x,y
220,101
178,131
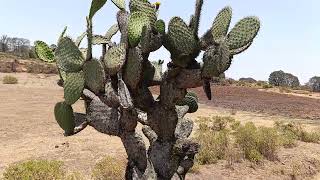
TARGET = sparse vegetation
x,y
109,168
35,170
8,79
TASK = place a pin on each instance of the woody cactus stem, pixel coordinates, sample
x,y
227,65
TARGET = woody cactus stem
x,y
116,91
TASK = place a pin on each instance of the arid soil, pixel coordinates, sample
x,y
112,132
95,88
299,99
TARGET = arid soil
x,y
254,100
28,130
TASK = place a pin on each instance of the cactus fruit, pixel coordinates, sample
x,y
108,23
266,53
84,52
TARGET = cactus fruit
x,y
96,5
137,21
64,116
111,32
69,57
181,42
221,24
191,102
115,59
243,32
44,52
121,4
94,75
73,87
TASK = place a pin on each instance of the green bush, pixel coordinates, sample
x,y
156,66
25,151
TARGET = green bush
x,y
9,80
258,142
109,168
35,170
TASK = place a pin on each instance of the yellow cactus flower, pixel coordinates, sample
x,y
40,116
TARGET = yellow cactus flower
x,y
157,4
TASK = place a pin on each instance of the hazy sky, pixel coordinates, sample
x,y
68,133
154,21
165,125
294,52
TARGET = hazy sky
x,y
289,38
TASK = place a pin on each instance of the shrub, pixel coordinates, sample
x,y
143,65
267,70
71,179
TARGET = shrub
x,y
314,84
213,145
35,170
109,168
257,142
248,80
267,86
9,80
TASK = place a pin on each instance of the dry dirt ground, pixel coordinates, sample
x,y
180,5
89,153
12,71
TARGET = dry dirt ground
x,y
28,130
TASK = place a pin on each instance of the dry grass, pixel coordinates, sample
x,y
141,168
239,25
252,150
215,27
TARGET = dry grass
x,y
8,79
109,168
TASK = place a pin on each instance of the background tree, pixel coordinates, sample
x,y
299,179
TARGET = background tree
x,y
314,84
280,78
116,91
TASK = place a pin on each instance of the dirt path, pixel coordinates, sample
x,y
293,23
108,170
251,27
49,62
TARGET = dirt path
x,y
28,130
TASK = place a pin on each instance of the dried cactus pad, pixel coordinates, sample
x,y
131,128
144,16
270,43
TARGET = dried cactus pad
x,y
216,60
111,32
137,21
94,75
115,58
73,87
243,33
221,24
64,116
68,56
98,40
44,52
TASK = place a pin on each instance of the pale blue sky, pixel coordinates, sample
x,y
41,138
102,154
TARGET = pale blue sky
x,y
289,38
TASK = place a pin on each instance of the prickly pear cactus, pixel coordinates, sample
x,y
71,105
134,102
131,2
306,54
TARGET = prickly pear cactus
x,y
115,87
44,52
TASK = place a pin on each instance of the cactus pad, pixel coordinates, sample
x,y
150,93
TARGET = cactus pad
x,y
243,33
98,40
137,21
44,52
133,68
121,4
160,26
191,102
144,7
216,60
80,38
68,56
192,94
94,75
111,32
73,87
64,116
221,24
96,5
115,59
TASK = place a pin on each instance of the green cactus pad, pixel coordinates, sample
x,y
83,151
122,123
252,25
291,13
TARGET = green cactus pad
x,y
94,75
181,42
80,38
243,33
160,26
63,33
62,74
73,87
191,102
137,21
121,4
133,68
69,57
44,52
221,24
193,94
64,116
111,32
115,59
144,7
98,40
96,5
216,60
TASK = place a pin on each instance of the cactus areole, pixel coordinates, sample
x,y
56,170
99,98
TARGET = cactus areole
x,y
115,88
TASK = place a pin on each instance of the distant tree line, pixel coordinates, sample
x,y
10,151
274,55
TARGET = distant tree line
x,y
17,46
